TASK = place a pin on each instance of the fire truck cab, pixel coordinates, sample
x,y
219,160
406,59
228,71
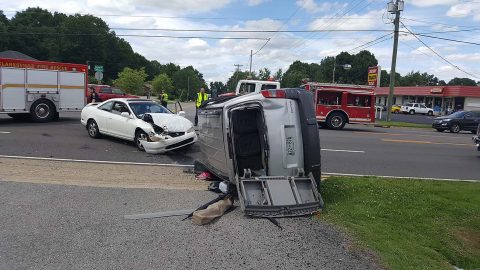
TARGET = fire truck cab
x,y
339,104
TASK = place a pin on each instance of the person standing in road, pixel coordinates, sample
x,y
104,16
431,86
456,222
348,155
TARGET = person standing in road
x,y
201,97
163,98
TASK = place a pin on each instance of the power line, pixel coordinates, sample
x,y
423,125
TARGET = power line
x,y
283,25
132,35
371,41
448,39
437,54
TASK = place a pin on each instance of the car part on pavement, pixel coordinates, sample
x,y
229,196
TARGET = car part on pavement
x,y
159,214
213,211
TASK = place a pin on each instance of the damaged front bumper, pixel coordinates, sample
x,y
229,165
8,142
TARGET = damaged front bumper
x,y
163,143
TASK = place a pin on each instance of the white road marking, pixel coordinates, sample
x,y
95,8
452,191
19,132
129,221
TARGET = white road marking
x,y
401,177
341,150
98,161
191,166
5,132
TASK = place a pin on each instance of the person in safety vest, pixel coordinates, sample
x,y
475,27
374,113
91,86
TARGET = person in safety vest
x,y
163,98
201,97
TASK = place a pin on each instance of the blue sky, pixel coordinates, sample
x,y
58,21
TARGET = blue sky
x,y
216,58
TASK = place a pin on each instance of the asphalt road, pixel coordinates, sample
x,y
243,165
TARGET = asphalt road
x,y
45,226
416,119
356,150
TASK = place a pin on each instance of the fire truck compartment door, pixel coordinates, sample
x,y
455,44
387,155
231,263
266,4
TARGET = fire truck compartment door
x,y
283,196
72,90
13,89
42,81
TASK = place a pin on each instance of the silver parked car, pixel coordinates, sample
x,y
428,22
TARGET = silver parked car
x,y
267,145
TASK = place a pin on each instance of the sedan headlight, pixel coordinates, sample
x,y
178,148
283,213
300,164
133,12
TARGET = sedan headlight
x,y
192,129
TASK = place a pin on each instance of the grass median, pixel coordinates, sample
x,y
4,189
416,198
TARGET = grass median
x,y
410,224
402,124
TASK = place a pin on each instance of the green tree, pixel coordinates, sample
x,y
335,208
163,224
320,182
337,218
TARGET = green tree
x,y
162,82
237,76
264,74
220,86
462,81
187,82
131,80
418,79
278,75
4,40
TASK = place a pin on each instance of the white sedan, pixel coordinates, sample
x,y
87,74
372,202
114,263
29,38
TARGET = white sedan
x,y
152,127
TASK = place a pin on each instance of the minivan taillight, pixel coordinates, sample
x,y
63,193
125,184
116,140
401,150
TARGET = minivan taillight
x,y
273,93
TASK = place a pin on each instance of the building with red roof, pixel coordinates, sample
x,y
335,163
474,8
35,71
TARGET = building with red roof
x,y
440,97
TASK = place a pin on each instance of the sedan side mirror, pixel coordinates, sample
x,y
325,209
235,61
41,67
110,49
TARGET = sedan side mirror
x,y
125,114
181,113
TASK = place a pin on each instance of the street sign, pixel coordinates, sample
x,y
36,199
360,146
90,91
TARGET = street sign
x,y
374,76
98,68
99,75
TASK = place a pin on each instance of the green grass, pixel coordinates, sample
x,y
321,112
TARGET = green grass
x,y
410,224
402,124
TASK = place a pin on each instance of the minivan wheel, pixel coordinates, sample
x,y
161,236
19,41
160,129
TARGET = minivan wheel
x,y
139,137
455,128
412,112
336,120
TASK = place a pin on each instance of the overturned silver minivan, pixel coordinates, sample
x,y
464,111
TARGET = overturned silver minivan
x,y
267,146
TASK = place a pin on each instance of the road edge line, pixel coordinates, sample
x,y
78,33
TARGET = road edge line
x,y
402,177
99,161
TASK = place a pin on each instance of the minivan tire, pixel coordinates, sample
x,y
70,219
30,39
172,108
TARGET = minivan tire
x,y
336,121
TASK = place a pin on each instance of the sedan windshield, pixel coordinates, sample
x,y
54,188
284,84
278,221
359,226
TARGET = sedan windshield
x,y
456,115
140,108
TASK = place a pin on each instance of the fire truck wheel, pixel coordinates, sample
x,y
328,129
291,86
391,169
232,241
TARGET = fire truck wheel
x,y
336,120
42,110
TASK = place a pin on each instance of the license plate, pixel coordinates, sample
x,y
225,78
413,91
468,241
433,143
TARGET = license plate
x,y
290,146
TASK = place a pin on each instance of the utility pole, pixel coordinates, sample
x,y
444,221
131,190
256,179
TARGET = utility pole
x,y
393,8
251,55
238,70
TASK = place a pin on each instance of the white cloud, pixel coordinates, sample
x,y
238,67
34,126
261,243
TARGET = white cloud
x,y
429,3
369,20
312,7
253,3
465,9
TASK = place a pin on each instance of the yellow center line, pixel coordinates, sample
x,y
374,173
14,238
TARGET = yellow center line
x,y
424,142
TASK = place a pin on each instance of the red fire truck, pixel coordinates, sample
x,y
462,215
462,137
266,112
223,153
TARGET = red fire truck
x,y
338,104
41,89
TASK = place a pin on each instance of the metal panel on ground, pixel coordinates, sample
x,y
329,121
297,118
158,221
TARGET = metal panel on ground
x,y
13,89
42,81
72,90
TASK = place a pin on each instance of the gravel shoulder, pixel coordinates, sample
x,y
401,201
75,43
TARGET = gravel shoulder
x,y
77,223
97,175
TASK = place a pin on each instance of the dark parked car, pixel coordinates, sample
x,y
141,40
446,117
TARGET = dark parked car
x,y
457,121
476,139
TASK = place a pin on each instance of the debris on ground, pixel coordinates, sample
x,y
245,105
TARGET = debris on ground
x,y
213,211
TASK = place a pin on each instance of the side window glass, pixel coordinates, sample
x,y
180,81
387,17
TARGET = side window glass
x,y
119,107
268,86
106,90
106,107
423,106
416,105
